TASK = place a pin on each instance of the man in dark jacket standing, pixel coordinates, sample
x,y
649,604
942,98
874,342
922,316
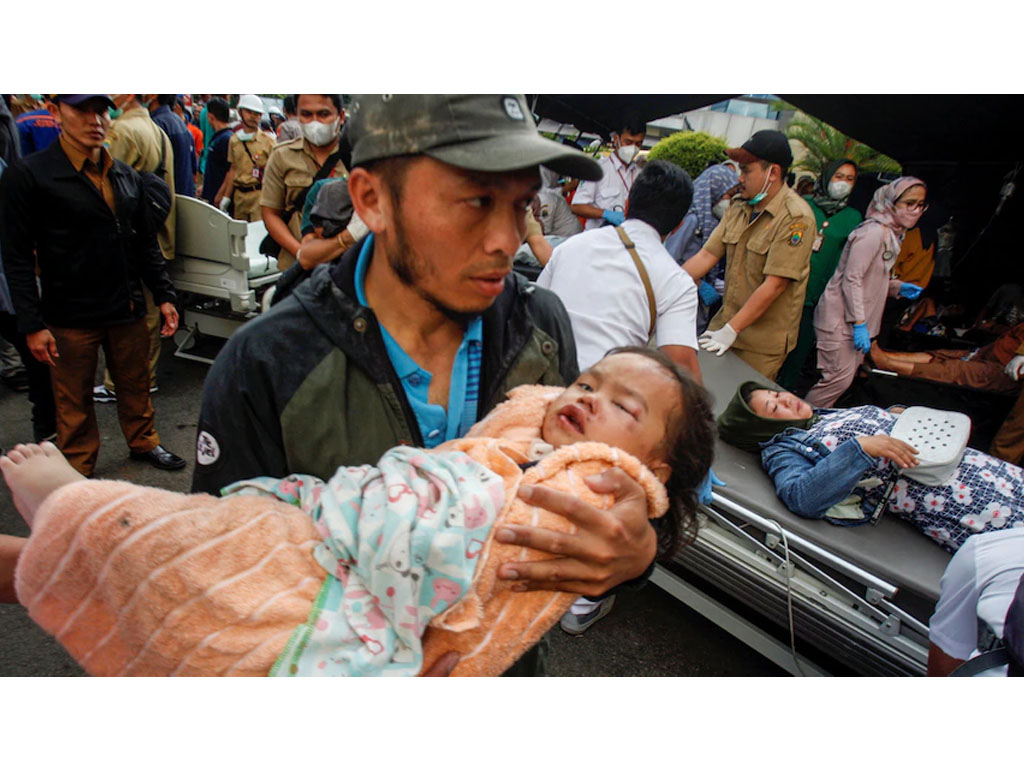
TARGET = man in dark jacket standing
x,y
420,329
79,214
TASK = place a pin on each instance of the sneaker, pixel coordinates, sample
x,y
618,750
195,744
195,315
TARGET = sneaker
x,y
577,625
100,393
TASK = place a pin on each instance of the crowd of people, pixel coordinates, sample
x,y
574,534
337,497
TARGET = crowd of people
x,y
395,221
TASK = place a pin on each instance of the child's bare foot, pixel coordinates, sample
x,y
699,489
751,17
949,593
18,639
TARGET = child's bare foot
x,y
33,472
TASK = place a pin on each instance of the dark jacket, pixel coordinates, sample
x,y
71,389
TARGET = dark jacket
x,y
308,386
92,264
184,146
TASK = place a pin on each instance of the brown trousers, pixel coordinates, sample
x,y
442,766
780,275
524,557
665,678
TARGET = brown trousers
x,y
1008,444
247,204
983,371
154,322
126,348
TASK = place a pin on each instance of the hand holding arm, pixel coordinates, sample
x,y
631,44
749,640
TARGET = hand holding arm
x,y
609,547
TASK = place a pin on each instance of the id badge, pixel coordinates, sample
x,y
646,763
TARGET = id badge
x,y
816,245
256,174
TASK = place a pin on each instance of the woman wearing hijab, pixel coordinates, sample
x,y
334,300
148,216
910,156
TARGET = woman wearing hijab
x,y
836,464
712,191
849,313
833,223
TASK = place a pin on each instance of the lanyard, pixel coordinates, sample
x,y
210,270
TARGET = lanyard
x,y
621,177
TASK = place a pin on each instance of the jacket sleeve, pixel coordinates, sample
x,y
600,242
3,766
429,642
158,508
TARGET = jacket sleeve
x,y
239,431
863,251
17,243
809,485
152,264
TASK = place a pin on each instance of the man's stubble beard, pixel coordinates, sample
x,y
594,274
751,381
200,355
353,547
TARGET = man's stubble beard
x,y
411,271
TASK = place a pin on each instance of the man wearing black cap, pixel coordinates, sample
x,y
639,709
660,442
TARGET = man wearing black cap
x,y
765,236
78,214
420,328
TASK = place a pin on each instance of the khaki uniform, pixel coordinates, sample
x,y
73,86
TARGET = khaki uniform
x,y
136,140
777,243
248,160
290,170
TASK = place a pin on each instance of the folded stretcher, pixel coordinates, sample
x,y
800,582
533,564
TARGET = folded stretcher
x,y
221,276
861,596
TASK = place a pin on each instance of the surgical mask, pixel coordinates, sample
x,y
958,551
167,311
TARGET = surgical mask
x,y
718,209
764,190
243,136
320,134
114,112
908,218
839,190
626,154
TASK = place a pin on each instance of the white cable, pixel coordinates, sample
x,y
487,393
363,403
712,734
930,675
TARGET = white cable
x,y
789,599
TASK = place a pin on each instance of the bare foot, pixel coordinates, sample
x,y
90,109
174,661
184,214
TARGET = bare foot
x,y
33,472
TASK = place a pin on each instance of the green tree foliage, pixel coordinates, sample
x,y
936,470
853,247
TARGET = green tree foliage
x,y
824,144
690,150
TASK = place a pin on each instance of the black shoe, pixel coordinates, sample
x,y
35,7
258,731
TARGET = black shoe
x,y
160,458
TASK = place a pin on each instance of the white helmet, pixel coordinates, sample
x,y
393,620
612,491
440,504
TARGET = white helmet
x,y
251,102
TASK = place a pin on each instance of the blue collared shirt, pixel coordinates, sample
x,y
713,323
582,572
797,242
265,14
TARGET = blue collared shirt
x,y
436,423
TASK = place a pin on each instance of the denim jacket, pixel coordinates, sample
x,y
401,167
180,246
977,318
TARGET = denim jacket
x,y
808,477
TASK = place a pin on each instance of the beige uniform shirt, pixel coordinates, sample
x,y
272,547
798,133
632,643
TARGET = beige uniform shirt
x,y
244,165
290,170
136,140
777,243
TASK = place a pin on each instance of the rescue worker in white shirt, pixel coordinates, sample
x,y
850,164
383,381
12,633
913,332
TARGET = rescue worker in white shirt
x,y
605,201
602,287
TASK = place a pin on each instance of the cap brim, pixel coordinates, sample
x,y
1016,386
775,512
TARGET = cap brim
x,y
80,98
512,152
741,156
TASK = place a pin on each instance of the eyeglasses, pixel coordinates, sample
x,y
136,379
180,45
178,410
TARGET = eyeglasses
x,y
922,207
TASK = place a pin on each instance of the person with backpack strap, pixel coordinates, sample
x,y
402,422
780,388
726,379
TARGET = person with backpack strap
x,y
978,624
293,168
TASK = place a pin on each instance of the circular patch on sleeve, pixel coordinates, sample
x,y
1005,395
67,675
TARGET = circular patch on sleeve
x,y
795,237
512,109
207,449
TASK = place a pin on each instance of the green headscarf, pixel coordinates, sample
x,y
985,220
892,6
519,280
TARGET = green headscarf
x,y
740,426
821,197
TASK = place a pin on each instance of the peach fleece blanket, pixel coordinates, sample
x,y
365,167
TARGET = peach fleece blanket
x,y
139,581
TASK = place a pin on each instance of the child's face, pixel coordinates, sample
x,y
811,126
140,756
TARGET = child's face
x,y
626,401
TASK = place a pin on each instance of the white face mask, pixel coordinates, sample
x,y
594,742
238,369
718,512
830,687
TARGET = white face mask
x,y
839,190
320,134
626,154
718,209
243,136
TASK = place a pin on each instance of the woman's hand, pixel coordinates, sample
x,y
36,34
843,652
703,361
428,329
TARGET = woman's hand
x,y
885,447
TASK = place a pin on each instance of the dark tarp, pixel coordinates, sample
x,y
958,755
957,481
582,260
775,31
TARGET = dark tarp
x,y
602,113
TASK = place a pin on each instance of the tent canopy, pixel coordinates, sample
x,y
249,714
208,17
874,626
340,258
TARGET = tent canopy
x,y
910,128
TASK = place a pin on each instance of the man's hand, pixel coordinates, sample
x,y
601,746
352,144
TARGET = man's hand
x,y
444,665
608,548
1015,367
718,341
170,313
43,346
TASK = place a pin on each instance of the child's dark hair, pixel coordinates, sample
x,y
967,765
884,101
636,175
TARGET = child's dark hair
x,y
689,450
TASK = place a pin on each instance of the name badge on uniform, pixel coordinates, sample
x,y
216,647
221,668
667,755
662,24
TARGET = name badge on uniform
x,y
256,174
816,245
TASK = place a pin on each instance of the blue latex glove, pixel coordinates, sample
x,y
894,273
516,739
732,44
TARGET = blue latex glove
x,y
707,293
910,291
861,338
613,217
704,491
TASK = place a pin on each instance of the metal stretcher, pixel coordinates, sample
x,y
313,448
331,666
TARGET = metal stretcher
x,y
861,596
221,276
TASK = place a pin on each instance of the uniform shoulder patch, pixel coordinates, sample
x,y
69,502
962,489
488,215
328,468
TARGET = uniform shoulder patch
x,y
796,236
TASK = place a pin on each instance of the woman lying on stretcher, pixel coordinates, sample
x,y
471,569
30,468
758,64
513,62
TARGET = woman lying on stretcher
x,y
379,570
836,463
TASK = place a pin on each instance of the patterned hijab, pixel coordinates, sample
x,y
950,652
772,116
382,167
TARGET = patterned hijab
x,y
829,205
883,209
708,190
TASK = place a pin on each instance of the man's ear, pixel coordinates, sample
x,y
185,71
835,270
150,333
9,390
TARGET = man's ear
x,y
369,199
54,109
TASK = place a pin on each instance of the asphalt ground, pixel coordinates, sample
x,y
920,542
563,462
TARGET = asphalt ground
x,y
649,633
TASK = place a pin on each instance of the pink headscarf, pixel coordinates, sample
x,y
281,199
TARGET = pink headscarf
x,y
883,208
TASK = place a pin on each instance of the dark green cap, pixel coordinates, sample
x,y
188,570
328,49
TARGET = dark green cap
x,y
740,426
475,132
